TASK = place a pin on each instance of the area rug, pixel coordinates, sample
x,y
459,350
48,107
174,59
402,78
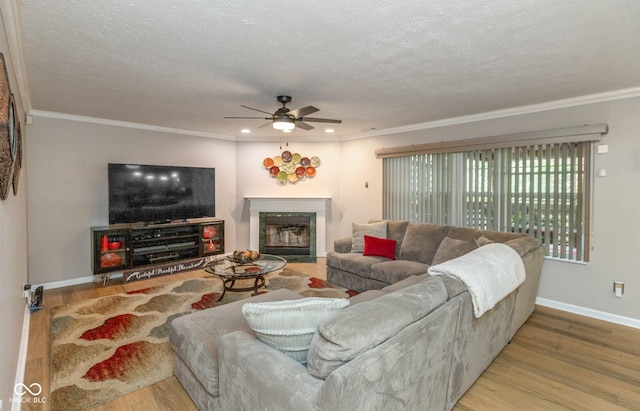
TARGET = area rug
x,y
107,347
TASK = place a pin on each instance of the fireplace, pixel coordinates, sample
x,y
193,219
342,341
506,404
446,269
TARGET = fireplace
x,y
289,235
315,207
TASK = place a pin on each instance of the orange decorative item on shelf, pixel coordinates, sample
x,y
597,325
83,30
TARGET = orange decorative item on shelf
x,y
110,260
114,245
104,243
209,231
211,246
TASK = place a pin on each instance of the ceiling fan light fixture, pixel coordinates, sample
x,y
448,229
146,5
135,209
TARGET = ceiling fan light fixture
x,y
284,123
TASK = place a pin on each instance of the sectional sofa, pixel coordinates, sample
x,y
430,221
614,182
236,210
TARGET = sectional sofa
x,y
410,340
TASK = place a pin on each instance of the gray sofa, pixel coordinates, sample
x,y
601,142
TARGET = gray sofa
x,y
412,344
417,246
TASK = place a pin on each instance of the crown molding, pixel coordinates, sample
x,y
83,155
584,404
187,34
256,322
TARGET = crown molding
x,y
149,127
126,124
510,112
11,18
490,115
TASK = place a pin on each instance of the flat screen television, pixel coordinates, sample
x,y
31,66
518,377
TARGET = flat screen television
x,y
155,193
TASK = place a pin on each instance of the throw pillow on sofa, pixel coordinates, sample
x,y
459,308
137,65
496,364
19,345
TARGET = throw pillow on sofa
x,y
289,325
359,230
483,240
380,247
451,248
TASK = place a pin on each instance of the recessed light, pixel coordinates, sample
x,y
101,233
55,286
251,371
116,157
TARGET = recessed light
x,y
245,131
329,130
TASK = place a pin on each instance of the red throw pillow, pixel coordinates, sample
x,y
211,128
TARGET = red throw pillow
x,y
380,247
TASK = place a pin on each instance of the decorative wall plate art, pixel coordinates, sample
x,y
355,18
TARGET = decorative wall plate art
x,y
10,136
291,167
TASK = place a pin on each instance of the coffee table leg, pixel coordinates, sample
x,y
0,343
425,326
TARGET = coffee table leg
x,y
258,284
225,287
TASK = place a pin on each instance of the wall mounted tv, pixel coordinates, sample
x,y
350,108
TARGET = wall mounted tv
x,y
156,194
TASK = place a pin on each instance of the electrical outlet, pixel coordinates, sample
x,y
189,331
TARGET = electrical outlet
x,y
27,294
618,288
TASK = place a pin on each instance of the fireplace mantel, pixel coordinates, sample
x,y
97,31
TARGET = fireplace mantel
x,y
316,205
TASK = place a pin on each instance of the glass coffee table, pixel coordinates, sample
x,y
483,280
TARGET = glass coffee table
x,y
230,272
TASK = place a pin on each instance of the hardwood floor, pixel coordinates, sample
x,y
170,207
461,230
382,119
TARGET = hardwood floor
x,y
556,361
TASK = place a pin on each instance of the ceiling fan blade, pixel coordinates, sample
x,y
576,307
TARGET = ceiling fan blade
x,y
304,111
266,124
303,126
255,109
261,118
320,120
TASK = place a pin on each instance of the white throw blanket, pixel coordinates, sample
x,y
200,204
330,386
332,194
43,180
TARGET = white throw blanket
x,y
490,273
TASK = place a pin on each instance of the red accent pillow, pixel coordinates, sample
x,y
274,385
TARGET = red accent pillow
x,y
380,247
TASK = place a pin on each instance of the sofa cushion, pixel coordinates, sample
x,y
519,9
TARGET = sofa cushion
x,y
483,240
360,327
366,296
342,245
522,245
359,230
390,272
411,280
381,247
289,325
353,263
396,230
451,248
421,242
194,337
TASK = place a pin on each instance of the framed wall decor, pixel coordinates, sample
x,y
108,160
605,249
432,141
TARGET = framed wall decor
x,y
8,132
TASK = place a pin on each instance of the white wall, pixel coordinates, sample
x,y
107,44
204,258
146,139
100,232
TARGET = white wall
x,y
615,254
68,191
13,257
253,180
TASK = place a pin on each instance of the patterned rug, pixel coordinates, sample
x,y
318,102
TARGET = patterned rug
x,y
107,347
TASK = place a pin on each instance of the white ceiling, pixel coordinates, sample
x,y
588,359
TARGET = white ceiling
x,y
374,64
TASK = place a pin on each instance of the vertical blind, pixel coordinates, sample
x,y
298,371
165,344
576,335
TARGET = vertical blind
x,y
540,189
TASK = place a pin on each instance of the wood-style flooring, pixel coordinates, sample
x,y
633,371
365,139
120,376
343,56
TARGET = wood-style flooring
x,y
556,361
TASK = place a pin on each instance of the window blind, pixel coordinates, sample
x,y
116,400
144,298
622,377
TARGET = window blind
x,y
542,189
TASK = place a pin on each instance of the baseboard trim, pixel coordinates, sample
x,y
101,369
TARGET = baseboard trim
x,y
74,281
588,312
16,402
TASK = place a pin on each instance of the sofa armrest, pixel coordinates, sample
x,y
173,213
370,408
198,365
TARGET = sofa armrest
x,y
342,245
254,375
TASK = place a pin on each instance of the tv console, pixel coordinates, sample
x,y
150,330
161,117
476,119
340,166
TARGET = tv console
x,y
122,247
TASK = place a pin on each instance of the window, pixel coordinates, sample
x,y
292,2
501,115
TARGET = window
x,y
542,189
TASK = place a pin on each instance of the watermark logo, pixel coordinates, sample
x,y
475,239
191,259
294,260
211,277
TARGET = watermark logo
x,y
33,390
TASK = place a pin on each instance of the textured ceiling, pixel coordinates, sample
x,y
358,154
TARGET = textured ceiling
x,y
374,64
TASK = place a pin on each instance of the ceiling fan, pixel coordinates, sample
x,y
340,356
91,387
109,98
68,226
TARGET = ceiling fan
x,y
286,120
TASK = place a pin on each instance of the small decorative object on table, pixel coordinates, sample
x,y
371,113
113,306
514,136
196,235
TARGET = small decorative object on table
x,y
244,256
